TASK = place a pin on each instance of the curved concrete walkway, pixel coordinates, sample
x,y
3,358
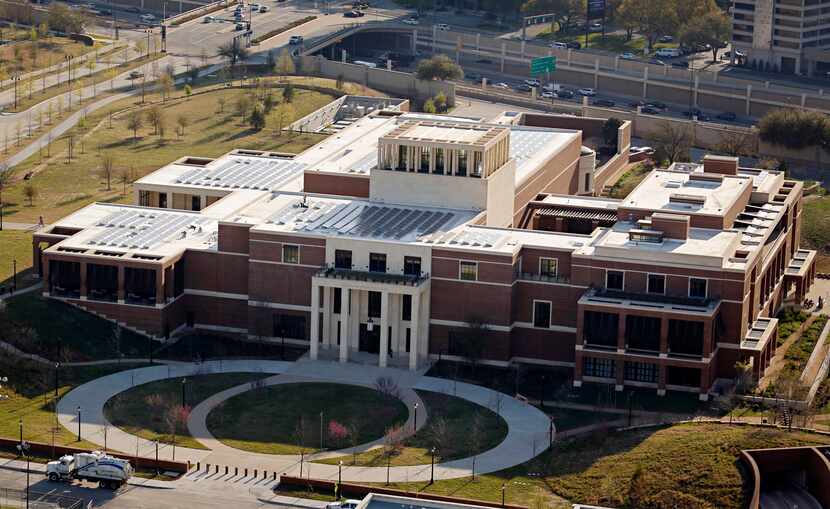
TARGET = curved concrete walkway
x,y
197,422
528,427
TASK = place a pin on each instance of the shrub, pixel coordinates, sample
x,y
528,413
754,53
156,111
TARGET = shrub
x,y
795,129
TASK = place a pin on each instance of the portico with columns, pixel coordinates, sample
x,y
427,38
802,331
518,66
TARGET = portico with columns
x,y
359,313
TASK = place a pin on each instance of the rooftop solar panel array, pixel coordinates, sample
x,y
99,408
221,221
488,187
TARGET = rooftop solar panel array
x,y
244,173
140,229
524,143
362,219
467,237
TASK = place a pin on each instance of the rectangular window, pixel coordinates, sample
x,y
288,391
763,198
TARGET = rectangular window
x,y
697,287
406,307
461,171
641,372
402,156
468,271
338,298
290,253
408,338
587,182
374,304
642,333
195,203
656,284
541,314
424,168
478,166
412,265
342,259
600,329
439,161
548,267
162,200
614,280
602,368
144,198
377,262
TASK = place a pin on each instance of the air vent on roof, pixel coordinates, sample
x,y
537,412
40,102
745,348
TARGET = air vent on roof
x,y
652,236
689,199
674,184
706,177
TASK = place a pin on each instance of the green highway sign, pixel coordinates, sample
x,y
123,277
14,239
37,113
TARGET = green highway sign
x,y
542,65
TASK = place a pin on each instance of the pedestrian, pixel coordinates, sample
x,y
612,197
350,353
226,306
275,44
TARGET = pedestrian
x,y
40,221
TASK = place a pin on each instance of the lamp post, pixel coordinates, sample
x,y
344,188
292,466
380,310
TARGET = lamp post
x,y
432,466
20,425
415,421
321,431
23,447
184,383
14,275
339,474
79,423
551,430
503,487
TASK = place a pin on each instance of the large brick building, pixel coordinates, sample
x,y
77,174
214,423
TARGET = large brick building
x,y
407,236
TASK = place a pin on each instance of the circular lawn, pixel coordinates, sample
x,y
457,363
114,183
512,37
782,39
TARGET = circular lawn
x,y
286,418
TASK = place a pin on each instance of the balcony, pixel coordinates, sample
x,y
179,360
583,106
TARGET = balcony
x,y
646,301
329,271
528,276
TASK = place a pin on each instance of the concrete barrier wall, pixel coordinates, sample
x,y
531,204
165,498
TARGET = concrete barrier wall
x,y
397,84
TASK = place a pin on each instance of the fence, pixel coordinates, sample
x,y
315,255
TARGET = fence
x,y
359,490
11,498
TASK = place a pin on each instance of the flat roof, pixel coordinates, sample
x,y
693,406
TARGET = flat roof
x,y
674,191
142,230
703,247
530,147
330,216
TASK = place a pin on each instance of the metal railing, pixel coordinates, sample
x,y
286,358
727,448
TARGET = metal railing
x,y
528,276
364,274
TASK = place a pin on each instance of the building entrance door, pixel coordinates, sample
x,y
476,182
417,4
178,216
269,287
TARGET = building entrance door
x,y
369,340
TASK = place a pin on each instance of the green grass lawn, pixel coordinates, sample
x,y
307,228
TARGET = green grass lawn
x,y
615,43
695,465
628,181
25,55
142,409
64,186
17,246
31,398
448,430
60,332
284,419
789,321
569,418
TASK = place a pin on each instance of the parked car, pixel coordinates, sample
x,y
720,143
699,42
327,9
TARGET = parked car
x,y
353,14
209,19
559,45
346,504
502,85
649,110
533,83
136,75
411,21
587,92
727,116
668,52
523,87
628,56
657,104
604,103
263,8
665,38
564,93
295,39
254,7
649,151
595,27
547,95
442,26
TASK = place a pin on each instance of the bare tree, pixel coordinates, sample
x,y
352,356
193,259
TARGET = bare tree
x,y
135,122
107,168
155,116
476,438
735,144
439,434
354,428
183,122
30,192
125,177
672,142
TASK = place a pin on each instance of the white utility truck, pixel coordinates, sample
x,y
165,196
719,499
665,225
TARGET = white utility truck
x,y
96,466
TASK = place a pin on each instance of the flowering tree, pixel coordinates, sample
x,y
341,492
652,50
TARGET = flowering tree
x,y
337,432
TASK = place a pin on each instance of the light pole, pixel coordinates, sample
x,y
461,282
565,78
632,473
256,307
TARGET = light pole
x,y
321,431
79,423
503,487
57,367
20,424
23,447
551,430
432,466
339,478
14,275
415,421
184,383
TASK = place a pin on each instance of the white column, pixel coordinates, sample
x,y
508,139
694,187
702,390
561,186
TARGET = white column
x,y
344,324
384,329
315,320
326,336
415,333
